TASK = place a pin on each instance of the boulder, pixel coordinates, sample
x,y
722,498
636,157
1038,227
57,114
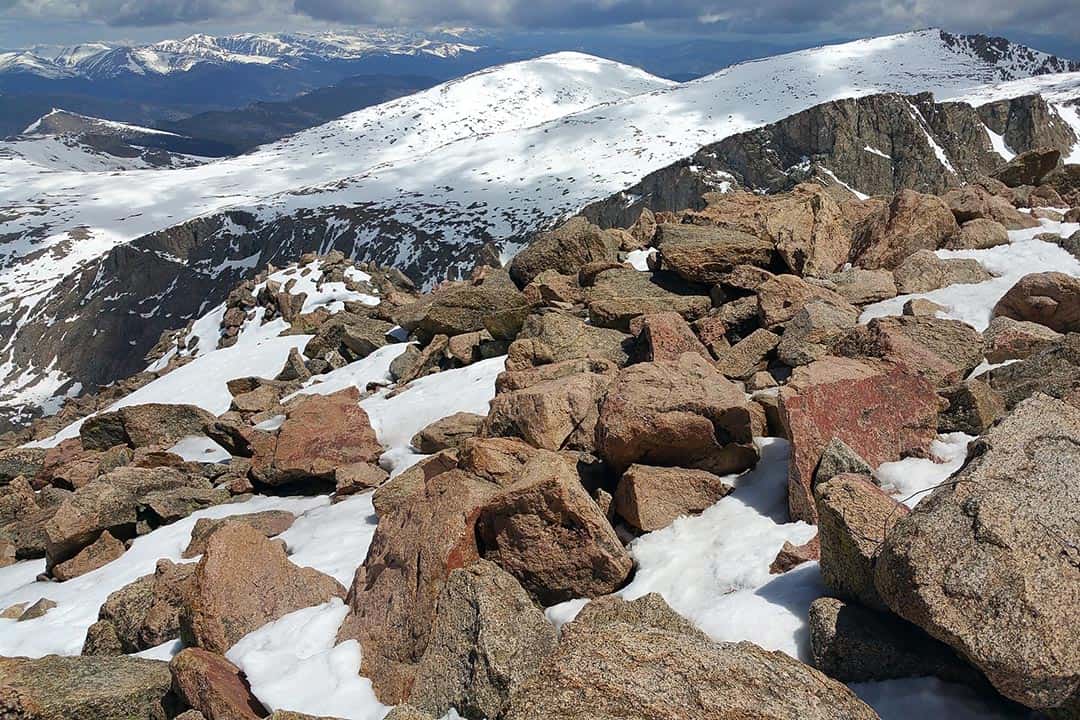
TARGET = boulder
x,y
839,459
86,688
550,287
983,564
143,425
142,614
491,302
556,414
565,250
880,411
924,271
219,605
115,502
553,337
357,478
214,686
650,498
791,556
426,530
320,434
648,611
665,336
1050,298
911,222
749,355
95,555
854,517
475,346
267,522
1009,339
1054,371
619,295
447,433
814,331
1028,168
973,406
488,636
968,202
681,413
637,671
979,234
27,462
712,332
921,307
942,351
546,531
364,336
851,643
782,297
861,287
704,254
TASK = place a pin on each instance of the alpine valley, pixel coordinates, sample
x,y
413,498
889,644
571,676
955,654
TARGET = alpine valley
x,y
541,389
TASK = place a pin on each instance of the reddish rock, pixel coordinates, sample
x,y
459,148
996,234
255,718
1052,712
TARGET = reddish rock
x,y
356,478
675,413
214,686
791,556
243,582
555,415
942,351
268,522
1009,339
880,411
97,554
320,434
666,336
650,498
1051,299
911,222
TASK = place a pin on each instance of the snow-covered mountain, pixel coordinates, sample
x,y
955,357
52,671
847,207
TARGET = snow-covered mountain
x,y
422,183
105,61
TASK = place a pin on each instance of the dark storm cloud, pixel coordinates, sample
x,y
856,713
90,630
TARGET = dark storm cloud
x,y
748,16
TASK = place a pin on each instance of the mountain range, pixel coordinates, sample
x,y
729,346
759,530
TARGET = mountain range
x,y
432,183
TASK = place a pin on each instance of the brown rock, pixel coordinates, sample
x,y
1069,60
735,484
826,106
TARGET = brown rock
x,y
877,409
911,222
554,337
142,614
782,297
268,522
650,498
1051,299
854,516
666,336
449,432
219,607
942,351
791,556
214,686
555,414
979,234
27,462
675,413
1028,168
705,254
749,355
861,287
1009,339
488,636
143,425
983,563
619,295
95,555
546,531
924,271
491,302
565,249
814,331
38,609
921,307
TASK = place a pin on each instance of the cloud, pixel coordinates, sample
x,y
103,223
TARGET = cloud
x,y
1058,17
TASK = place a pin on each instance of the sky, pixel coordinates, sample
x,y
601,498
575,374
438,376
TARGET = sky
x,y
1053,25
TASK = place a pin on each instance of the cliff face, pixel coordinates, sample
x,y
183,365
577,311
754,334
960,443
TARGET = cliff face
x,y
874,145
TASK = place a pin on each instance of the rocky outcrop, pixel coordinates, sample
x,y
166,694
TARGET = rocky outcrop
x,y
984,565
219,607
876,408
487,638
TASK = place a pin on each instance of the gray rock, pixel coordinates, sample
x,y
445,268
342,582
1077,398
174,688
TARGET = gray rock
x,y
567,248
924,271
1054,371
839,459
449,432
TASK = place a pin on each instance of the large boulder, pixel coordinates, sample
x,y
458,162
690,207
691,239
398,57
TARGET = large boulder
x,y
611,667
666,336
219,605
650,498
861,287
1053,371
567,248
209,683
546,531
142,614
983,562
851,643
143,425
27,462
681,413
448,432
119,502
878,409
1028,168
488,636
320,434
911,222
552,337
780,298
814,331
1050,298
1009,339
979,234
86,688
854,516
973,406
97,554
942,351
491,302
556,414
705,254
268,522
924,271
748,356
619,295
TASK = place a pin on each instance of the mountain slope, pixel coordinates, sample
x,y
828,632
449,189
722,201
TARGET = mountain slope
x,y
423,183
